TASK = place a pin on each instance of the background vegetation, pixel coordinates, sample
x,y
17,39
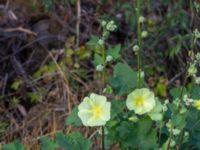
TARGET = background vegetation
x,y
49,52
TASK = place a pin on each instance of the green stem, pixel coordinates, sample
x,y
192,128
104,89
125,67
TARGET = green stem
x,y
190,94
170,138
139,42
192,12
104,65
181,137
160,131
103,145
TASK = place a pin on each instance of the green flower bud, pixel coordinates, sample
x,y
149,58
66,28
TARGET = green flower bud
x,y
133,118
111,26
192,70
176,131
172,143
136,48
109,58
169,124
196,33
103,23
144,34
99,67
142,19
198,57
101,42
197,80
164,108
105,34
141,74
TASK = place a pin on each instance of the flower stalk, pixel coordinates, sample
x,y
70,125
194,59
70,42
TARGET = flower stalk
x,y
139,42
102,140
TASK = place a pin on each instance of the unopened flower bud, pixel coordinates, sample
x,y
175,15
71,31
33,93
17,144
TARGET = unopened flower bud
x,y
133,118
144,34
196,33
197,80
103,23
192,70
99,67
101,42
135,48
176,131
109,58
198,57
111,26
142,19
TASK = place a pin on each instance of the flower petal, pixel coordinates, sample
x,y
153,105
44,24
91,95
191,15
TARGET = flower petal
x,y
96,122
106,111
85,104
98,99
84,116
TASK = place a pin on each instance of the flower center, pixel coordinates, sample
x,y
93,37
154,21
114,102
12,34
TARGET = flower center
x,y
139,101
97,111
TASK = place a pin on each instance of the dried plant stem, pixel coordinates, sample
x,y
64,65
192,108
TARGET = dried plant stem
x,y
65,79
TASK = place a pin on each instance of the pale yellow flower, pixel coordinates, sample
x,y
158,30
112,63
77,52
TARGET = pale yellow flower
x,y
197,104
94,110
141,101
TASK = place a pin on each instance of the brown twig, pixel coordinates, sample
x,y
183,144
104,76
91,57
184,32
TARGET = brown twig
x,y
21,29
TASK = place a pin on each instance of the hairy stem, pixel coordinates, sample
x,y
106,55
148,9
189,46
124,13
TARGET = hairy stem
x,y
104,65
78,22
170,138
139,43
103,145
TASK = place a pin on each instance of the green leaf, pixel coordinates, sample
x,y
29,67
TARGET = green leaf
x,y
48,144
62,141
178,114
174,51
34,96
117,107
124,79
93,41
195,92
176,92
114,51
73,118
16,145
97,59
147,137
179,120
73,141
193,126
78,142
139,135
108,89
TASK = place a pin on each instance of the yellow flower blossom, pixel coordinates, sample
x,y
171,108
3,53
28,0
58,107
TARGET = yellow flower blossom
x,y
141,101
94,110
197,104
